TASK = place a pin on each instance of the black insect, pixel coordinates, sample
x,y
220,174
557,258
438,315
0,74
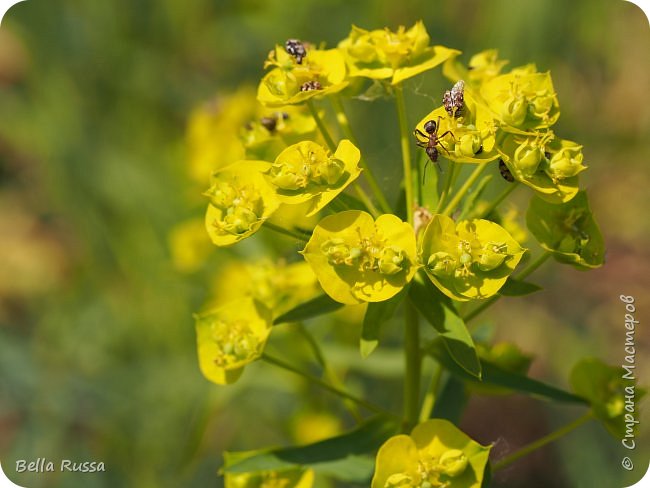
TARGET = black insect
x,y
296,49
311,85
505,172
431,140
270,122
454,99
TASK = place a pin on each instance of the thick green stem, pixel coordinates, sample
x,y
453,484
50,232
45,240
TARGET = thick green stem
x,y
321,126
490,301
533,446
413,364
463,189
497,201
405,142
286,232
342,119
317,381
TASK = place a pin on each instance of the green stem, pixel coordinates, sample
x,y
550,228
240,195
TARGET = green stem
x,y
363,196
317,381
321,126
527,271
344,123
463,189
331,376
451,170
496,202
405,142
430,398
533,446
413,364
286,232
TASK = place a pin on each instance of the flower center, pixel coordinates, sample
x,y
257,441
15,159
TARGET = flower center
x,y
366,254
310,168
241,207
235,342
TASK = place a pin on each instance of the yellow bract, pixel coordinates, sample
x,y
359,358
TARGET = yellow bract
x,y
240,201
307,172
522,99
357,259
230,337
278,285
322,72
382,53
548,165
468,260
435,455
213,133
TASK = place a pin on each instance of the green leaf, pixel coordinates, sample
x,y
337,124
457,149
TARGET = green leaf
x,y
376,314
470,201
343,457
494,375
315,307
605,388
439,312
518,288
568,230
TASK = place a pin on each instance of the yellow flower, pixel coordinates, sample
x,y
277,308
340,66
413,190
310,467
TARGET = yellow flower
x,y
240,201
308,427
278,285
382,53
548,165
321,73
306,172
522,100
230,337
213,130
273,130
435,455
357,259
468,260
482,66
472,135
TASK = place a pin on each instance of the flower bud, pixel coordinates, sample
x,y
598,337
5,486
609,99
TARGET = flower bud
x,y
285,178
222,195
527,158
391,261
331,171
442,263
337,251
453,462
469,144
541,104
491,257
514,111
567,162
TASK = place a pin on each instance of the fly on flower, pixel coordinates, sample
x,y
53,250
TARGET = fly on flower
x,y
295,48
454,99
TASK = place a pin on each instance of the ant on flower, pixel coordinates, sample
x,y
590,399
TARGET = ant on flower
x,y
431,140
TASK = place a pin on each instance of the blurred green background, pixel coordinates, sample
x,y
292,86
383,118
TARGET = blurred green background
x,y
97,345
